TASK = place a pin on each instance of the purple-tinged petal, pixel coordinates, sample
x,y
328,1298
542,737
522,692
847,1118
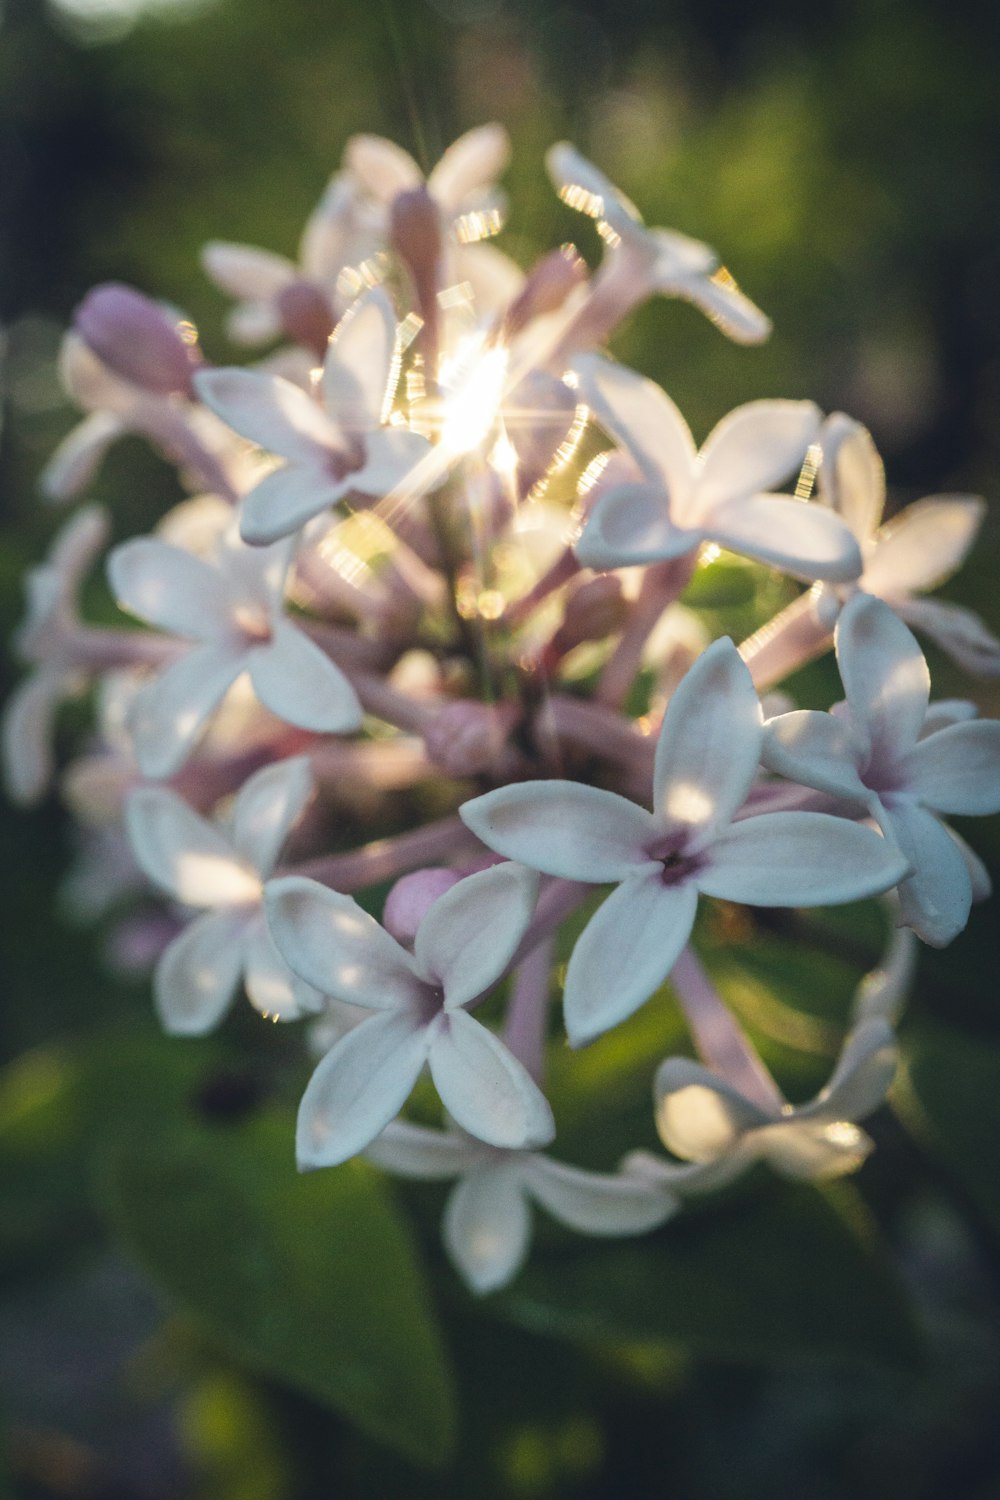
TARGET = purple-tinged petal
x,y
700,1116
959,632
957,769
885,678
360,1085
75,461
469,165
392,454
631,525
804,540
266,808
937,897
799,859
483,1086
564,828
299,683
585,188
27,726
625,952
710,743
171,588
286,499
817,750
729,308
923,545
380,167
358,363
197,976
644,420
168,715
754,448
185,855
596,1202
979,875
246,272
851,476
862,1077
273,989
487,1226
334,945
417,1151
471,933
271,412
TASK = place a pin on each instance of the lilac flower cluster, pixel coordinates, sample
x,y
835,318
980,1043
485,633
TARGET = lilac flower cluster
x,y
377,586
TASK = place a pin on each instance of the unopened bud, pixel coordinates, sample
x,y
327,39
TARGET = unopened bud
x,y
415,235
547,287
596,608
136,339
407,903
306,315
465,738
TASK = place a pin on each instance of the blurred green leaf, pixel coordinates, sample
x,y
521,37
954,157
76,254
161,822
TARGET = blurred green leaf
x,y
952,1103
310,1279
784,1275
721,584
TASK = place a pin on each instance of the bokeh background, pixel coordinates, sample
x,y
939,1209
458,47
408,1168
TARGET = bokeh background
x,y
844,160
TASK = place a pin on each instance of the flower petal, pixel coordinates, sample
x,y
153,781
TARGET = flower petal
x,y
171,588
75,461
487,1226
862,1077
184,854
360,1085
625,952
710,743
958,631
885,677
644,420
334,945
381,167
471,933
814,749
27,726
273,989
286,499
266,808
851,476
804,540
484,1087
197,976
937,897
297,681
721,300
358,363
753,448
167,716
269,411
923,545
392,455
631,524
596,1202
699,1116
417,1151
799,859
957,769
563,828
812,1149
469,165
246,272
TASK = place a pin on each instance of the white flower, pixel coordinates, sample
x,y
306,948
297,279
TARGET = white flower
x,y
421,1001
230,606
706,760
487,1222
221,868
682,497
655,260
331,450
704,1120
45,641
915,551
877,752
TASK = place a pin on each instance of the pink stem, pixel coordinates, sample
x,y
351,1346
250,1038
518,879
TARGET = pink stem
x,y
526,1025
718,1037
785,643
661,585
386,859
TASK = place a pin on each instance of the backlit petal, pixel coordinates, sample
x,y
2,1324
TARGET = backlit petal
x,y
270,411
804,540
266,808
957,769
297,681
601,1203
184,854
923,545
487,1226
699,1115
168,715
197,976
563,828
754,448
885,677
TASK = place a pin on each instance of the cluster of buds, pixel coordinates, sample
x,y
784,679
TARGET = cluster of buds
x,y
434,553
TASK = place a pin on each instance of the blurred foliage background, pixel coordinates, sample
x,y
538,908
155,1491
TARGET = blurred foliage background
x,y
183,1317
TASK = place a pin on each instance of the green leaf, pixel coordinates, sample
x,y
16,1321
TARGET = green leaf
x,y
950,1099
783,1275
312,1280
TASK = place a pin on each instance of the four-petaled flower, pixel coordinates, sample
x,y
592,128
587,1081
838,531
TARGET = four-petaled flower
x,y
682,497
487,1221
462,947
222,867
706,760
883,750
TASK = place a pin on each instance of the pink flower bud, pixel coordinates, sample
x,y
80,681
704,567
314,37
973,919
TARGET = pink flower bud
x,y
136,340
547,287
306,315
407,903
594,609
465,738
415,235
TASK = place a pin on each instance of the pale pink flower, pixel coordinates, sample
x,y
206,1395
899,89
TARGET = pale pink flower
x,y
681,496
221,868
487,1220
421,1003
706,760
